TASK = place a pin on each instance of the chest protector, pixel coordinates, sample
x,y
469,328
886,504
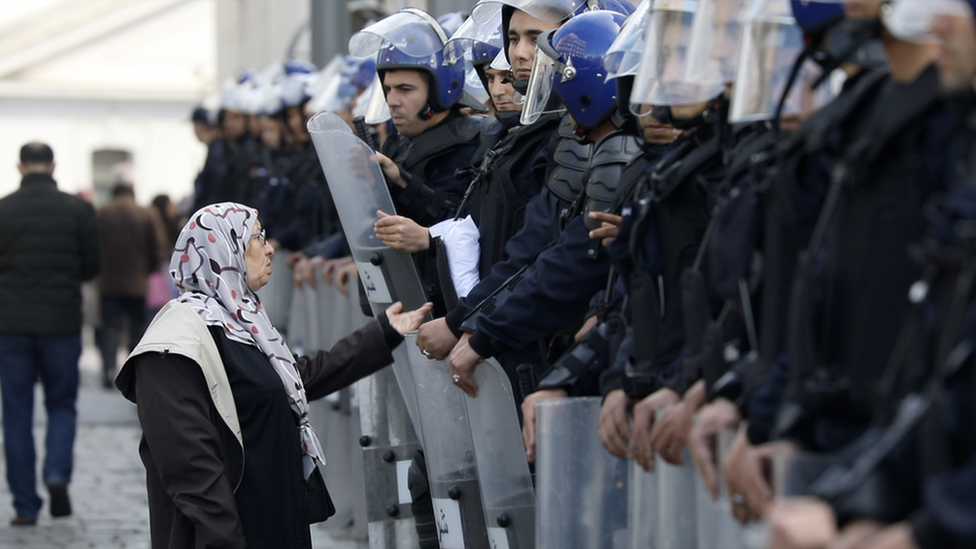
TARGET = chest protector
x,y
568,162
613,153
498,207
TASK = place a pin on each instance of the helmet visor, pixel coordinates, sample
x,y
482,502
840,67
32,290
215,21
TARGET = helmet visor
x,y
408,30
540,83
472,32
771,43
377,111
661,79
623,55
715,34
550,11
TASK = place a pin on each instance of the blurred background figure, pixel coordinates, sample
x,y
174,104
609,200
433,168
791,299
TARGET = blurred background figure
x,y
131,240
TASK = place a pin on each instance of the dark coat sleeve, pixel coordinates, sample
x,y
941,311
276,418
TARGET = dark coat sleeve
x,y
547,298
354,357
178,422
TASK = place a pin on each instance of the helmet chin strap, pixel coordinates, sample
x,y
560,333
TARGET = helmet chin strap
x,y
426,113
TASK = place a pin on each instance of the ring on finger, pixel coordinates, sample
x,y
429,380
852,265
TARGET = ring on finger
x,y
738,500
425,352
456,378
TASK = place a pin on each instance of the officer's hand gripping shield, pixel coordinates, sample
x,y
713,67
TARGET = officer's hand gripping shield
x,y
506,484
449,452
389,440
582,488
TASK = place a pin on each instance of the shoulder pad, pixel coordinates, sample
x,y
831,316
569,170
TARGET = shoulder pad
x,y
468,128
616,148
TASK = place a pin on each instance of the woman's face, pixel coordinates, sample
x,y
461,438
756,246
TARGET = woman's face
x,y
257,258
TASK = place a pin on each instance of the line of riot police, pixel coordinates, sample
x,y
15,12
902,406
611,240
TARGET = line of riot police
x,y
713,259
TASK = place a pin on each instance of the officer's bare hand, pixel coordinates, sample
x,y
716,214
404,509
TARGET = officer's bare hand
x,y
670,433
408,321
644,416
301,272
528,417
713,418
436,339
587,326
895,536
609,226
615,430
331,266
401,233
747,471
857,535
391,170
463,361
801,523
345,274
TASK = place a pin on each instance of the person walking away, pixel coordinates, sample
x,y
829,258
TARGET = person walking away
x,y
130,247
48,247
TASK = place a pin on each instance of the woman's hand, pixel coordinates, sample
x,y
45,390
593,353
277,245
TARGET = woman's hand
x,y
408,321
401,233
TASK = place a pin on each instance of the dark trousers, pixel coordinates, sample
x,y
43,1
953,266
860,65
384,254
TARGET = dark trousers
x,y
118,314
25,359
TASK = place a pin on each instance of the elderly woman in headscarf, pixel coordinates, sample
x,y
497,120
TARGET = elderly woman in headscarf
x,y
231,460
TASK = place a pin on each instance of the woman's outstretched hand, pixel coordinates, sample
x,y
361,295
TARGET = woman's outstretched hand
x,y
408,321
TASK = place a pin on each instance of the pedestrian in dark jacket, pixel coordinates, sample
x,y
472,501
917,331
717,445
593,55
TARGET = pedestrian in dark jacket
x,y
48,247
130,239
231,460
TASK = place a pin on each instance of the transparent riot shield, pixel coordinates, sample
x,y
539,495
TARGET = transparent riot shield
x,y
503,472
582,489
717,526
359,189
389,444
676,503
449,451
642,507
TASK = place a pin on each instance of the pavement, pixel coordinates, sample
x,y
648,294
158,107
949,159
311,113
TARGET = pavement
x,y
108,491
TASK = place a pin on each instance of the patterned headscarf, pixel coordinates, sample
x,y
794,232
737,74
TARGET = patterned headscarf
x,y
209,268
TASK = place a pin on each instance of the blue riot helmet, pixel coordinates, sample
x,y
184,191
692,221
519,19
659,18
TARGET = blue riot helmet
x,y
570,63
412,39
363,75
475,45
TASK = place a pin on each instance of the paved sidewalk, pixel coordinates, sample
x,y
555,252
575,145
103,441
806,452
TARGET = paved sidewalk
x,y
108,491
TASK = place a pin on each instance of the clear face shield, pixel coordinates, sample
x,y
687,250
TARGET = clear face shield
x,y
623,55
461,43
374,101
400,30
549,11
544,70
715,34
771,44
661,79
